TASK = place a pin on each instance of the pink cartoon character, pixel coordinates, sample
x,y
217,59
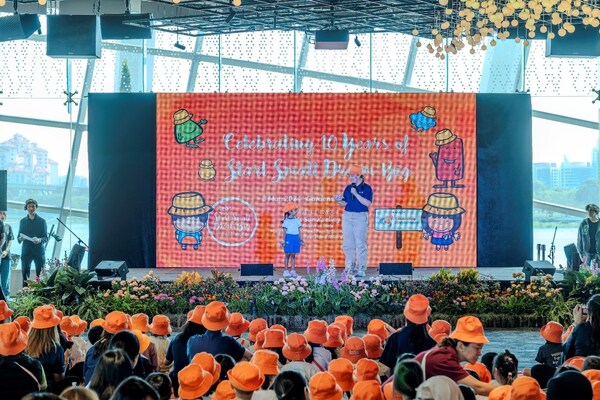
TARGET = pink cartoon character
x,y
449,159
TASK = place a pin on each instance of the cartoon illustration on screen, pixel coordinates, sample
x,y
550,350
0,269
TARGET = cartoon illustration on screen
x,y
207,171
189,215
449,159
441,219
423,120
186,130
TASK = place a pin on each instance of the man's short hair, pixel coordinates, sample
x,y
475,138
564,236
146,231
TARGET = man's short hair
x,y
31,201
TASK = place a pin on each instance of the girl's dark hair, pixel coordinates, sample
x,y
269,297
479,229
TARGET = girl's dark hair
x,y
507,365
457,218
488,360
112,368
449,342
417,337
333,353
190,329
102,344
467,392
94,334
135,388
290,385
408,375
227,362
162,383
593,306
285,216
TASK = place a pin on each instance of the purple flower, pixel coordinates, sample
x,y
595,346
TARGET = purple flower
x,y
336,284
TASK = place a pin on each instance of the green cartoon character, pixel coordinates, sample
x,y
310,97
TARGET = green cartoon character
x,y
186,130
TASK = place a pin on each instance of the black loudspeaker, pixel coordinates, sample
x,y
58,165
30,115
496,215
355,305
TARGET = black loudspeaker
x,y
73,36
3,190
583,43
112,269
541,267
76,256
395,269
18,26
256,270
573,259
114,26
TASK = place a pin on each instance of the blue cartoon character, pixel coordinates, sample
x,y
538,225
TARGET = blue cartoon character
x,y
189,216
423,120
449,159
441,219
186,130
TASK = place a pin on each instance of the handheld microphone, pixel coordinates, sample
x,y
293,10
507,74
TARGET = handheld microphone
x,y
353,197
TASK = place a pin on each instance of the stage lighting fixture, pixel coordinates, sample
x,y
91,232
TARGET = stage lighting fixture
x,y
179,46
230,16
357,42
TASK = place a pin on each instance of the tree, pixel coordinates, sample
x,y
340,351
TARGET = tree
x,y
125,78
588,192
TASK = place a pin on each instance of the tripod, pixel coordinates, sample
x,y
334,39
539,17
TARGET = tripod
x,y
552,247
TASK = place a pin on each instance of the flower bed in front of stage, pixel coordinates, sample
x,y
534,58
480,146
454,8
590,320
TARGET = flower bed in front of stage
x,y
321,294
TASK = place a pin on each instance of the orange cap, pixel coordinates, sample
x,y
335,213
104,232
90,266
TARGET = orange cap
x,y
267,361
143,339
316,332
260,339
196,315
440,329
347,321
469,329
161,325
289,207
552,332
343,371
208,363
373,345
12,339
296,348
367,370
82,324
193,382
274,338
116,321
417,309
45,317
354,170
592,374
526,388
216,316
367,390
140,322
256,325
576,362
224,391
323,386
5,312
69,326
237,324
343,329
246,376
97,322
377,327
23,322
354,349
481,369
334,336
500,393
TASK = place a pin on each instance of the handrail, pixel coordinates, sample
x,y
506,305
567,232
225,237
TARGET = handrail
x,y
544,205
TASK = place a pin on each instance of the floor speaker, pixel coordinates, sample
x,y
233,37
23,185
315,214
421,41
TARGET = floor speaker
x,y
540,267
76,256
256,270
395,269
573,259
73,36
3,191
112,269
18,26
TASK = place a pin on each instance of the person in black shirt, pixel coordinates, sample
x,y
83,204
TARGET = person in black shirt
x,y
588,236
33,233
5,255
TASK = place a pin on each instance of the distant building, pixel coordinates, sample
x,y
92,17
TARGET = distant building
x,y
25,162
568,174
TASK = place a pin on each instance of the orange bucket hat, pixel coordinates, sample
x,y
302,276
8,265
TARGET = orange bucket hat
x,y
224,391
97,322
140,322
116,321
161,325
373,345
216,316
274,338
45,317
194,382
469,329
367,390
208,363
24,322
481,369
237,324
81,323
377,327
289,207
196,315
343,330
440,329
552,332
354,349
5,312
255,326
246,377
260,339
343,371
316,332
576,362
596,390
323,386
12,339
526,388
367,370
267,361
388,391
69,326
592,374
334,336
417,309
296,348
347,321
500,393
280,327
143,339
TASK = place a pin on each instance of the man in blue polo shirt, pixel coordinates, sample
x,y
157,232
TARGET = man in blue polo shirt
x,y
356,200
215,319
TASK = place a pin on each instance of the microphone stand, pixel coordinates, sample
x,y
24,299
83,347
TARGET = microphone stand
x,y
552,247
79,241
76,255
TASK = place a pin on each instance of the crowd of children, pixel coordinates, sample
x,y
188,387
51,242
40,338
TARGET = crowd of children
x,y
220,355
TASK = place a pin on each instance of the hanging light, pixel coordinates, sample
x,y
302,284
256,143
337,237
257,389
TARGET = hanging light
x,y
42,2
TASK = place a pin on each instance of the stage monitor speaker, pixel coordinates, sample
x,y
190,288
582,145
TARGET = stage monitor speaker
x,y
332,39
112,269
114,26
540,267
3,190
395,269
256,270
18,26
583,43
73,36
573,259
76,256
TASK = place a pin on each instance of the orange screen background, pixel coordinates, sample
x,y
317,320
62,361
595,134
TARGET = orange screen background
x,y
321,136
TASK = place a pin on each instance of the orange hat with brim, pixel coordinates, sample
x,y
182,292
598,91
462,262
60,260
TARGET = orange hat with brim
x,y
246,377
274,338
161,325
267,361
12,339
316,332
354,349
237,324
481,369
81,323
224,391
97,322
140,322
116,321
280,327
5,312
377,327
143,339
469,329
367,370
348,323
208,363
417,309
69,326
343,371
388,392
24,322
289,207
216,316
323,386
296,348
194,382
255,326
334,336
373,345
439,329
526,388
500,393
592,374
576,362
45,317
196,315
367,390
552,332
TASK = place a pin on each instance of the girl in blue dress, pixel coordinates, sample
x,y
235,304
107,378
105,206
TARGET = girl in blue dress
x,y
292,239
